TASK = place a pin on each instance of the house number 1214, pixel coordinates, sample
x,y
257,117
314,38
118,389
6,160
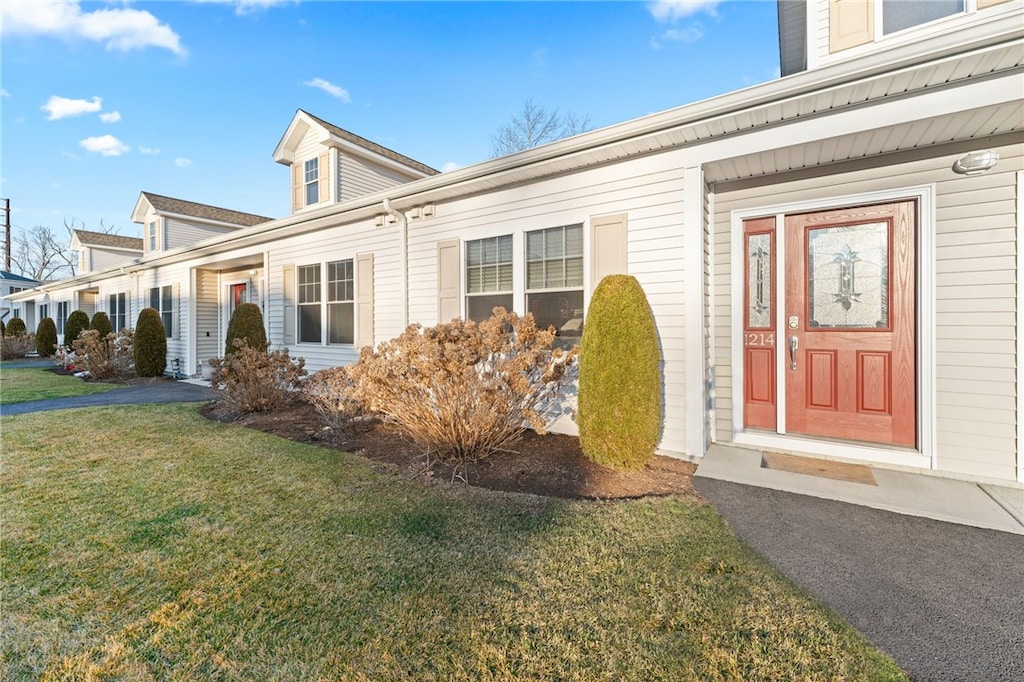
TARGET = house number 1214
x,y
759,339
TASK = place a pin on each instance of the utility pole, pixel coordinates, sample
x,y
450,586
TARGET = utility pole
x,y
7,235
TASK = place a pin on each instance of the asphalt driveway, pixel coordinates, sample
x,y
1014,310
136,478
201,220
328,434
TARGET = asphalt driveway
x,y
946,601
160,392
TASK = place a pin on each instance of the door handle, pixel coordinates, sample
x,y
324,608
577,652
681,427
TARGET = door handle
x,y
793,343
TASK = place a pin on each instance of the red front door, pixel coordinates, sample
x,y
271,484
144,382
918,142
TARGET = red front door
x,y
848,329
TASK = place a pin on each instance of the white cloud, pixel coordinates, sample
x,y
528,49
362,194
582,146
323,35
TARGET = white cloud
x,y
690,34
149,150
4,93
118,28
182,162
106,145
330,88
111,117
249,6
674,10
62,107
450,166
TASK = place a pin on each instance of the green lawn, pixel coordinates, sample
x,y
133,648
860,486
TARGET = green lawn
x,y
144,542
35,383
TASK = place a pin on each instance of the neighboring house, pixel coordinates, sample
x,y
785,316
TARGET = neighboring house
x,y
832,258
11,283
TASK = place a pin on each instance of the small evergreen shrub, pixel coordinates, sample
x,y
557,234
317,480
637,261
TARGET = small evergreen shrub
x,y
150,350
463,390
3,329
619,414
101,323
78,321
332,393
105,357
16,327
246,324
46,338
253,380
16,346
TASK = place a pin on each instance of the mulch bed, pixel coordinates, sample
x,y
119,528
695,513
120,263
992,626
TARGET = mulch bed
x,y
550,464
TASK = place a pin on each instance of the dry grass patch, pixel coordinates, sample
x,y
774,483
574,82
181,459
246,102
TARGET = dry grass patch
x,y
189,549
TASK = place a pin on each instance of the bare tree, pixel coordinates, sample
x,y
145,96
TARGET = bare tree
x,y
43,253
535,125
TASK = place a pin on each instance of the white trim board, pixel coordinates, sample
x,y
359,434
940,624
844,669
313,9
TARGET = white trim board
x,y
1020,325
926,455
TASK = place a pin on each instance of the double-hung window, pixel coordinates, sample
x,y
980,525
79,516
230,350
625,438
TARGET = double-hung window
x,y
62,315
554,280
311,179
117,309
44,311
161,299
151,235
488,276
309,303
341,326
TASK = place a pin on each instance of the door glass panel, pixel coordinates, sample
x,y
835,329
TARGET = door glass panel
x,y
848,276
759,280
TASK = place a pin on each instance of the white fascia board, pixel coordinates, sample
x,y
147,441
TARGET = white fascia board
x,y
142,207
300,124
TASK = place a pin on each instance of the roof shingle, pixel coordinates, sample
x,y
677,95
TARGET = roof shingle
x,y
101,239
373,146
190,208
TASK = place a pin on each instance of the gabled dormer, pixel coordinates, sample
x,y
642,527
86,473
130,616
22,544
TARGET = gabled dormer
x,y
330,165
99,250
169,223
815,33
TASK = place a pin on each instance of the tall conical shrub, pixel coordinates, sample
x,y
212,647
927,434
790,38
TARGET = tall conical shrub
x,y
150,351
16,327
101,323
78,321
247,324
619,413
46,337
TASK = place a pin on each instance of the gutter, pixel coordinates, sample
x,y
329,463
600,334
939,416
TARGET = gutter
x,y
403,258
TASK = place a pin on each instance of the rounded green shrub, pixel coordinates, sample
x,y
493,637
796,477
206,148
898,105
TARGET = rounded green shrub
x,y
78,321
101,323
619,412
150,351
246,324
3,328
46,337
16,327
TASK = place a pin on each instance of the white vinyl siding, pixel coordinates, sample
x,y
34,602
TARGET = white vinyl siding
x,y
975,306
180,233
207,316
359,176
101,259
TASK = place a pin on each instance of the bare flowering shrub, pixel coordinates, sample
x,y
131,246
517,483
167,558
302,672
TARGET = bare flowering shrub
x,y
16,345
105,357
332,393
255,380
463,390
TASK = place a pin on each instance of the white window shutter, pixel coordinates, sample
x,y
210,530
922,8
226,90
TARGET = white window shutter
x,y
850,23
324,184
449,268
176,311
364,300
608,250
288,277
296,186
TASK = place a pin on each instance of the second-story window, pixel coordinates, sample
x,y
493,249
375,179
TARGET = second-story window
x,y
151,235
898,15
312,181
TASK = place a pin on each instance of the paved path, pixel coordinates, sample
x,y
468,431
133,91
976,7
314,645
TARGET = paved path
x,y
946,601
161,392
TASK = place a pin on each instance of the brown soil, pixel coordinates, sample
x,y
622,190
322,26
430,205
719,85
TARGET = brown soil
x,y
550,464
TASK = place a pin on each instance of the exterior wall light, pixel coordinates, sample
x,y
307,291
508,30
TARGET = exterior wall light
x,y
974,163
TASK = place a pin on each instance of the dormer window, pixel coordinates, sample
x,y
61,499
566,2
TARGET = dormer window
x,y
898,15
151,235
312,181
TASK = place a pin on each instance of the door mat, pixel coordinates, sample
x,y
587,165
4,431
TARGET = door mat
x,y
822,468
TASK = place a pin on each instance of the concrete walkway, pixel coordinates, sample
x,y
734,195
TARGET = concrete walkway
x,y
945,600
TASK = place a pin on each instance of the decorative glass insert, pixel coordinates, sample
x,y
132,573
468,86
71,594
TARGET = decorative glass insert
x,y
759,281
848,276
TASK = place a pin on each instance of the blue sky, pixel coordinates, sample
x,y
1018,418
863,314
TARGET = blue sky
x,y
102,100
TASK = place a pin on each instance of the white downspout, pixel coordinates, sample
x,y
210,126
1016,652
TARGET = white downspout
x,y
403,259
